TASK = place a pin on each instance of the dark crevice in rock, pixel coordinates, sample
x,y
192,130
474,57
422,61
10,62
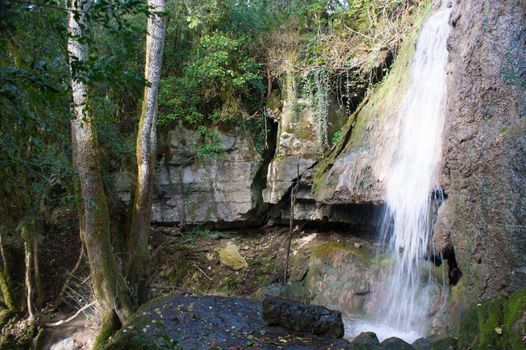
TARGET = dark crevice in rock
x,y
454,273
259,213
352,84
438,197
362,220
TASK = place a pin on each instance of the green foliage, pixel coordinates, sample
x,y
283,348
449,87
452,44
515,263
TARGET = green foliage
x,y
35,167
35,141
336,137
219,82
298,107
210,146
211,75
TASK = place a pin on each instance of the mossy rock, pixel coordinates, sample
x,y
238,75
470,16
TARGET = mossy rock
x,y
18,334
435,343
328,248
230,256
498,323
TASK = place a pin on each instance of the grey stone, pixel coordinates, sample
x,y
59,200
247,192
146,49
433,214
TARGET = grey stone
x,y
280,176
210,190
300,317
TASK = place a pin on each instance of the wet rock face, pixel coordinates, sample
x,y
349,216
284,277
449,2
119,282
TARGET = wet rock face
x,y
337,275
299,317
484,149
356,169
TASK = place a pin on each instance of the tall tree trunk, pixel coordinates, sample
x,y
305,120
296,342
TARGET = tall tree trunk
x,y
108,283
138,267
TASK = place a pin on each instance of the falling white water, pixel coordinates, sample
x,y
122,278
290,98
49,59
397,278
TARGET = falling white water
x,y
412,178
404,303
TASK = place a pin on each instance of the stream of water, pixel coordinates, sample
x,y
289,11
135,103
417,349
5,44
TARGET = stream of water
x,y
403,306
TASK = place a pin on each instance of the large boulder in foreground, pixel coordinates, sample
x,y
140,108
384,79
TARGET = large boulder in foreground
x,y
300,317
187,322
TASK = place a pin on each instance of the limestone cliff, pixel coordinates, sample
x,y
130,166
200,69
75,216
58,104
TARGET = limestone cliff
x,y
193,190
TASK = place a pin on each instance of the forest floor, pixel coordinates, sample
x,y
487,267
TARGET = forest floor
x,y
189,262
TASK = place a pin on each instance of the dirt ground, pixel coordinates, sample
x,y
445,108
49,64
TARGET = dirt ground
x,y
190,262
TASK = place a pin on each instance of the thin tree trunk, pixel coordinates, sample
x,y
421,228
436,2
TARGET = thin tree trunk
x,y
94,221
28,257
138,267
58,301
28,265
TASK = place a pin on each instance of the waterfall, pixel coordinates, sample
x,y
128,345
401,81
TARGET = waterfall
x,y
405,299
412,178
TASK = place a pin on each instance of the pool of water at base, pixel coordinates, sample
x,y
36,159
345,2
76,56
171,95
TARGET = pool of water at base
x,y
353,327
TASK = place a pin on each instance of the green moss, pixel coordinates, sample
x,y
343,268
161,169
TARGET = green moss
x,y
109,325
328,248
515,319
266,268
231,282
17,333
498,323
6,290
304,133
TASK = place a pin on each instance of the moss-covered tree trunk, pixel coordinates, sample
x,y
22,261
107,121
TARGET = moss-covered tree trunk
x,y
138,267
108,283
6,285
